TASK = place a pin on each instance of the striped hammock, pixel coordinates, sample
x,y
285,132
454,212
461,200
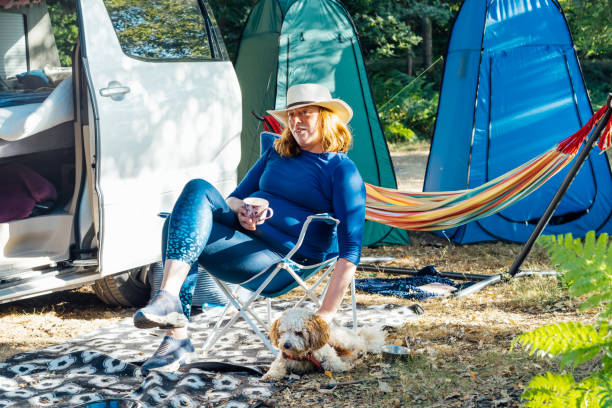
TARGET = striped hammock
x,y
441,210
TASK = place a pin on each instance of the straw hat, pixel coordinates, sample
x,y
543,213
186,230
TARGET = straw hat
x,y
302,95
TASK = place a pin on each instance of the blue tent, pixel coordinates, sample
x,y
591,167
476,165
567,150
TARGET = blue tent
x,y
512,89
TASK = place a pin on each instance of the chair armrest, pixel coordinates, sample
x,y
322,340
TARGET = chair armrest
x,y
326,218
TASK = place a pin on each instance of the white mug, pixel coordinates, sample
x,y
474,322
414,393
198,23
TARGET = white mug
x,y
256,206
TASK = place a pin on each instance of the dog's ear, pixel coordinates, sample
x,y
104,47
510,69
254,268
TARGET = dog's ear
x,y
318,330
274,334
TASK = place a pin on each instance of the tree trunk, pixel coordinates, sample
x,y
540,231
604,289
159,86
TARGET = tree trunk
x,y
409,63
427,42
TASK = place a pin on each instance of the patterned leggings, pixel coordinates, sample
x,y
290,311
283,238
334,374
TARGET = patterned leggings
x,y
203,229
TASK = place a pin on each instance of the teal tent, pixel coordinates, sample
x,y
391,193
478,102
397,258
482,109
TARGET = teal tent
x,y
289,42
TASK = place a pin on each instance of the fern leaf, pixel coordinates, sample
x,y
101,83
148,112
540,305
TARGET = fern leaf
x,y
584,282
588,249
602,389
552,390
579,356
606,361
601,249
594,301
606,313
586,267
609,258
575,342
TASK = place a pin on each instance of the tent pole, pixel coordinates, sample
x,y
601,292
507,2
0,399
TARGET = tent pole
x,y
405,271
545,219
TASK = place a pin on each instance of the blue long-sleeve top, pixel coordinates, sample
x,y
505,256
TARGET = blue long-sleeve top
x,y
304,185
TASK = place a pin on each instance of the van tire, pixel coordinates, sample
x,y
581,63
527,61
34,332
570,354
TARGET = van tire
x,y
128,289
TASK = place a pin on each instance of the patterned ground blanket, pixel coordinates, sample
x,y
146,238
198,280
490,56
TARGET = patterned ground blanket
x,y
106,364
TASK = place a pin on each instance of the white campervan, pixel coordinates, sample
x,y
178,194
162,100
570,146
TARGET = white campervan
x,y
150,102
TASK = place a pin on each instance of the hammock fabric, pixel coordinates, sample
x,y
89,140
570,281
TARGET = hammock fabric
x,y
430,211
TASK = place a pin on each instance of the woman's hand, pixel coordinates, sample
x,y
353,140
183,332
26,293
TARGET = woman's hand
x,y
247,222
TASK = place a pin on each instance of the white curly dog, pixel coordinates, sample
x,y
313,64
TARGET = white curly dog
x,y
307,343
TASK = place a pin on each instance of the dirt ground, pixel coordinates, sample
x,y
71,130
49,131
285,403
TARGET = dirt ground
x,y
460,348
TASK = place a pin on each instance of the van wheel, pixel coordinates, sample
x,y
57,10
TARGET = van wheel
x,y
128,289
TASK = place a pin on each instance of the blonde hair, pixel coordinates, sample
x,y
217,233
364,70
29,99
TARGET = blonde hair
x,y
335,136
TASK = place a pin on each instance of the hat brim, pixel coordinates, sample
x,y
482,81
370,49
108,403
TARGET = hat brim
x,y
337,106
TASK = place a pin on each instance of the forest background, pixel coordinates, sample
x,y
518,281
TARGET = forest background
x,y
404,43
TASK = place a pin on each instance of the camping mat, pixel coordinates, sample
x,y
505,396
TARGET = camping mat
x,y
106,364
406,287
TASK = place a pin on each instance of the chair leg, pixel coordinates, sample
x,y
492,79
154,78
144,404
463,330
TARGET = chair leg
x,y
309,290
218,330
304,286
244,312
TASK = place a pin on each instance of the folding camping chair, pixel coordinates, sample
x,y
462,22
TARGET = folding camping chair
x,y
275,281
272,282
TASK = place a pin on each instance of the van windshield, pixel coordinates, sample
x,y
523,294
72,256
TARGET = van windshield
x,y
160,29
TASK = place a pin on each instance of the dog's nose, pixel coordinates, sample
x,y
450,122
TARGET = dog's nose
x,y
287,345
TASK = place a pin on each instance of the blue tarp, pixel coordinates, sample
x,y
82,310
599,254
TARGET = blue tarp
x,y
22,98
407,287
512,89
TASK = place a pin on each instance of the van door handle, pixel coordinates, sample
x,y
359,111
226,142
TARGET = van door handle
x,y
115,91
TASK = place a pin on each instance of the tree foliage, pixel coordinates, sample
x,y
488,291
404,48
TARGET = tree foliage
x,y
591,24
586,269
166,29
65,30
390,28
231,16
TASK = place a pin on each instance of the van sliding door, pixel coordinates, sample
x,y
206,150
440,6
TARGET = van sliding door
x,y
165,107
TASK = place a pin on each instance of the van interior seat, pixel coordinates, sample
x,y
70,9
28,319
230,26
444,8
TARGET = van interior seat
x,y
21,121
38,239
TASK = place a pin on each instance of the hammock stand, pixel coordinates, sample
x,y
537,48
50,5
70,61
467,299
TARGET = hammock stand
x,y
601,122
548,213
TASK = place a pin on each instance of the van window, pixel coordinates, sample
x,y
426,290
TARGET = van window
x,y
164,29
13,54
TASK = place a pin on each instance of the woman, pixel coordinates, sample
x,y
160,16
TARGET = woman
x,y
306,172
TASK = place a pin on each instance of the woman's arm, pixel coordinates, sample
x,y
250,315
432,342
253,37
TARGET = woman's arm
x,y
234,203
340,279
348,202
250,182
248,185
